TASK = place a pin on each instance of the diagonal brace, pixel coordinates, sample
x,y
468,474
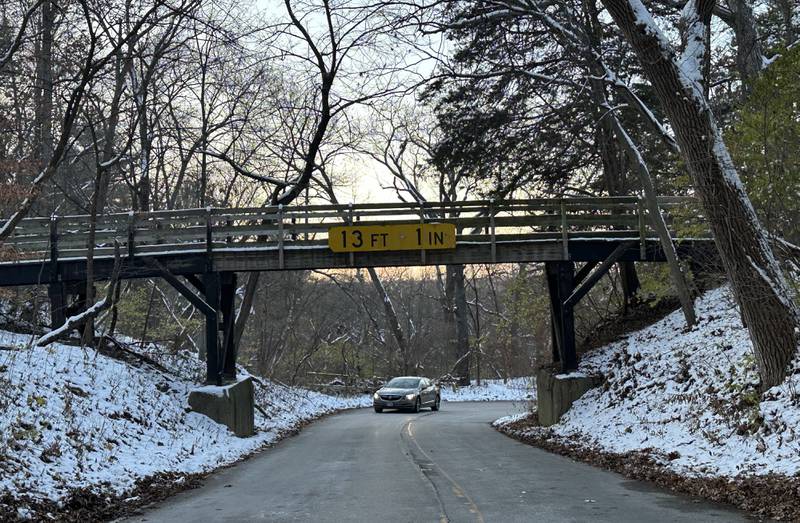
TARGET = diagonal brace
x,y
584,271
601,270
196,282
185,291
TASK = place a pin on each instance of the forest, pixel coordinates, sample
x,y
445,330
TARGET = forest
x,y
111,106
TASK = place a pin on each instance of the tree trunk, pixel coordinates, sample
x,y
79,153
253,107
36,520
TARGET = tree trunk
x,y
658,223
616,142
44,85
391,318
445,285
749,55
121,69
244,310
760,288
786,9
462,324
629,280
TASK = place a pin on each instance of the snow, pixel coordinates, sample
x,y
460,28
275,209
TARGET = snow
x,y
75,418
689,399
511,418
219,391
514,389
692,60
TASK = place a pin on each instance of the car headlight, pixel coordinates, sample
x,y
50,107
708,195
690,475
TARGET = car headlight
x,y
375,396
411,396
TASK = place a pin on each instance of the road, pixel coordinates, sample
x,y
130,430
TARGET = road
x,y
433,466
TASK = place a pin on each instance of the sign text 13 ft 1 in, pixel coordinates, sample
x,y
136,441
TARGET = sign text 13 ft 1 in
x,y
400,237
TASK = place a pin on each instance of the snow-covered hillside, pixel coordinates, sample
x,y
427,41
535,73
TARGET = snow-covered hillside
x,y
688,399
75,419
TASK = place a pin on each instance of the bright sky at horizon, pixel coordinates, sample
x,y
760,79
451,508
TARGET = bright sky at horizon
x,y
363,179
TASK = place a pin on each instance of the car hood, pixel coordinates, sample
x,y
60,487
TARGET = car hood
x,y
400,392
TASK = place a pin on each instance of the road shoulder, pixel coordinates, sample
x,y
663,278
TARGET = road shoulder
x,y
772,496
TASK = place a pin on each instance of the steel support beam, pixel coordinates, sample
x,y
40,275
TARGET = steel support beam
x,y
185,291
220,297
228,309
561,283
584,271
551,274
196,282
212,295
209,306
58,304
594,277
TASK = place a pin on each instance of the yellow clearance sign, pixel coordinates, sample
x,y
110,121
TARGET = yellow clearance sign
x,y
405,237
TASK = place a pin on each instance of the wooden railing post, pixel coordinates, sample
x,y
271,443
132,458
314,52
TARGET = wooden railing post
x,y
131,233
421,223
564,229
280,236
642,229
492,230
53,248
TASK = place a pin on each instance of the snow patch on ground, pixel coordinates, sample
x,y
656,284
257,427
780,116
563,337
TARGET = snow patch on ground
x,y
514,389
511,418
73,418
689,399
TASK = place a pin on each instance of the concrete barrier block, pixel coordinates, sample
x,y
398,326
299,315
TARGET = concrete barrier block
x,y
232,405
555,393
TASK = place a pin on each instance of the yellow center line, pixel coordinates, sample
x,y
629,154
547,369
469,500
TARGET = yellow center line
x,y
458,490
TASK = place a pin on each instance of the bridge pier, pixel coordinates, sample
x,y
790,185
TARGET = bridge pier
x,y
219,290
211,291
58,304
566,288
561,284
218,305
228,310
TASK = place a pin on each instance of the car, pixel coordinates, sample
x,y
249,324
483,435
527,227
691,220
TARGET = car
x,y
407,393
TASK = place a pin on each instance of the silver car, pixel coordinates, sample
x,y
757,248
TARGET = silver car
x,y
407,392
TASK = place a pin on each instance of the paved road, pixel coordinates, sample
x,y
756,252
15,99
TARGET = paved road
x,y
433,466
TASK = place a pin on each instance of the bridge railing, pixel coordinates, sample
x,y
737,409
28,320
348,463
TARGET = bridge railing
x,y
286,227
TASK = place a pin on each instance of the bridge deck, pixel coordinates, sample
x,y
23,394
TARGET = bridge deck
x,y
309,256
194,241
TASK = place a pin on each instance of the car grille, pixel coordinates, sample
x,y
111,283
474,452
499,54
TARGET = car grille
x,y
390,397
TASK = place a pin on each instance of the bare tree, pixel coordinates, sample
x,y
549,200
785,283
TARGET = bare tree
x,y
18,38
100,53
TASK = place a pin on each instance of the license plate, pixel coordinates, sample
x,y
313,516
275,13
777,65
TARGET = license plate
x,y
390,404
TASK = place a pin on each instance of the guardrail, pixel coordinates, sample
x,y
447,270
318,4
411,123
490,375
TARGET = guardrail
x,y
211,229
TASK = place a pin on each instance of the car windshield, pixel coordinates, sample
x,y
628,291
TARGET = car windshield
x,y
403,383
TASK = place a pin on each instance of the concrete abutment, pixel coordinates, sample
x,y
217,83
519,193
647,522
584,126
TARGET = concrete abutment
x,y
231,405
555,393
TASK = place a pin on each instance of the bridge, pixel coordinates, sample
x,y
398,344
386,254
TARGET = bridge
x,y
207,247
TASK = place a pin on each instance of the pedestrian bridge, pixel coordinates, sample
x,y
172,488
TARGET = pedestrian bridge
x,y
207,247
195,241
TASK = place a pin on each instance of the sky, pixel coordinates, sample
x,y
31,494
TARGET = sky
x,y
369,180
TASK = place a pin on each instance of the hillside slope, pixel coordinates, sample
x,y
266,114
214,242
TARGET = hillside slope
x,y
74,420
686,401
